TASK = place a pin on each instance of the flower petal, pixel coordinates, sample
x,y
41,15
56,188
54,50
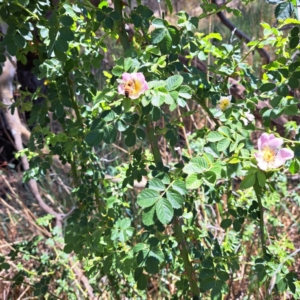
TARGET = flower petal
x,y
286,153
121,90
262,165
262,141
126,76
275,143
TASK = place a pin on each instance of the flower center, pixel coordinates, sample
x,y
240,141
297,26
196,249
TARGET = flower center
x,y
137,87
269,154
224,104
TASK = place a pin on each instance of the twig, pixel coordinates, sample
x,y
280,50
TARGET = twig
x,y
241,35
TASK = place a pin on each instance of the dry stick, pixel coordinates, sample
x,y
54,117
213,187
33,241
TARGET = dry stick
x,y
24,292
241,35
184,133
6,96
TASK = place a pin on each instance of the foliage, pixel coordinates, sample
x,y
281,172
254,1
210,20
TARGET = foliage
x,y
168,230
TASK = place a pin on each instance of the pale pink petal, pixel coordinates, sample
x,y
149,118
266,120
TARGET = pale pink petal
x,y
279,161
139,76
262,164
286,153
249,116
275,143
135,96
121,90
145,87
126,77
262,141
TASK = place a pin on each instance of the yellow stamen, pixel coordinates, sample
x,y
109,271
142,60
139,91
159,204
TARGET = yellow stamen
x,y
224,103
268,154
137,87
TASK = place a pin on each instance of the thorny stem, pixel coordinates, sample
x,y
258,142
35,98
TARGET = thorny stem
x,y
185,257
158,161
154,145
74,103
122,32
257,190
74,170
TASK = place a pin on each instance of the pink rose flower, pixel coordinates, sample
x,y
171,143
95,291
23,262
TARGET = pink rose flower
x,y
249,118
270,155
132,85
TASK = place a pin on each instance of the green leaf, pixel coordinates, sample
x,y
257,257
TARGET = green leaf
x,y
180,187
224,276
118,71
109,22
193,182
66,33
283,90
94,137
61,44
174,82
293,83
109,134
290,110
225,130
142,282
140,134
164,211
294,167
237,225
66,20
226,223
210,177
175,199
248,181
214,136
158,23
115,15
152,265
284,11
223,144
130,140
185,92
156,185
294,42
170,7
166,43
295,31
158,35
128,62
4,266
216,293
148,216
157,254
196,165
147,198
266,87
261,178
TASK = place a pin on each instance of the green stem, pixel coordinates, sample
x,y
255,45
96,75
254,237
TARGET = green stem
x,y
74,103
154,145
185,257
257,190
74,170
97,196
122,32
